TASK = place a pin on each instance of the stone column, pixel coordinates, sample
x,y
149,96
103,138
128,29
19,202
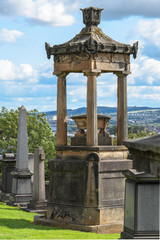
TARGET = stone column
x,y
61,109
122,117
39,199
92,136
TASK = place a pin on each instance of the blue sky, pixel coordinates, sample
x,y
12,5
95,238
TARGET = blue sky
x,y
26,73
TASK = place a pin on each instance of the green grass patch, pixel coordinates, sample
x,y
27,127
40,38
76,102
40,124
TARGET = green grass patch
x,y
18,224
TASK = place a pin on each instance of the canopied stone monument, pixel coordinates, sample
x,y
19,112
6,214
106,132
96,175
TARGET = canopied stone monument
x,y
86,189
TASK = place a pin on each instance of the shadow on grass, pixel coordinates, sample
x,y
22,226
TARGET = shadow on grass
x,y
21,223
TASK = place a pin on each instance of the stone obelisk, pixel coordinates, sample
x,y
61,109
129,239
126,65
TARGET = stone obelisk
x,y
21,184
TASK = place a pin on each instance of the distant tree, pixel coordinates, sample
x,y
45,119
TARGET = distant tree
x,y
133,132
39,133
138,131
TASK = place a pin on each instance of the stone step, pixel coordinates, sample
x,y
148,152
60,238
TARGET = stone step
x,y
40,211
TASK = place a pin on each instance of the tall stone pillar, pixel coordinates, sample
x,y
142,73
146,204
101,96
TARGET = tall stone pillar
x,y
92,136
122,117
21,184
38,202
61,109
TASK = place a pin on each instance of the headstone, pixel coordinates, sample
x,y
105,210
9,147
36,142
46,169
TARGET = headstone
x,y
21,186
141,217
8,164
38,202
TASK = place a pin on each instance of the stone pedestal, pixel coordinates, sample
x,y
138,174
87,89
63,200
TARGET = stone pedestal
x,y
141,218
103,139
21,188
86,190
8,164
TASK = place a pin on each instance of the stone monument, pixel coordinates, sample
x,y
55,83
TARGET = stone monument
x,y
86,188
38,203
142,194
21,184
141,218
8,164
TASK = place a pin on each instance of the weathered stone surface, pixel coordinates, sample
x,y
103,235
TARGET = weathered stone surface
x,y
91,39
80,152
141,218
39,197
8,164
102,229
145,153
21,184
86,183
87,190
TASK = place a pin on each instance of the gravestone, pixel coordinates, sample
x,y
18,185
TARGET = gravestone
x,y
8,164
21,185
38,202
142,192
141,217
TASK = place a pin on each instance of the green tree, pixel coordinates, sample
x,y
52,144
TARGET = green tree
x,y
39,133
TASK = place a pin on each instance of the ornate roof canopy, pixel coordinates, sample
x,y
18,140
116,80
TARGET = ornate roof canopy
x,y
91,39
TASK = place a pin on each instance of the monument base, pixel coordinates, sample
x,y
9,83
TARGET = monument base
x,y
4,197
37,206
19,200
105,139
86,188
21,188
127,235
101,229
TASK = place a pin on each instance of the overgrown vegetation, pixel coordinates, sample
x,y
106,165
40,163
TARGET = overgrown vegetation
x,y
17,224
39,133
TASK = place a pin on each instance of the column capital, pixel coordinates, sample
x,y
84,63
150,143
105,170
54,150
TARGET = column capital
x,y
122,74
60,74
95,72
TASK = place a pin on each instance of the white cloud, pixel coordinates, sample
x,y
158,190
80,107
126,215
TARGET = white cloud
x,y
49,12
144,93
118,9
8,71
10,35
150,31
144,70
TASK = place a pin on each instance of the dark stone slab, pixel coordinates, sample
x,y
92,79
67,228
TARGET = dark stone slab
x,y
141,218
145,153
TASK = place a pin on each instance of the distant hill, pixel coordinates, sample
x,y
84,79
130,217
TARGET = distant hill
x,y
100,110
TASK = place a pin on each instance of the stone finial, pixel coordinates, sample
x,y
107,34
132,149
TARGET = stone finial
x,y
91,16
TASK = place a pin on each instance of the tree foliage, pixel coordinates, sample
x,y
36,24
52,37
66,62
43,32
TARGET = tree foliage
x,y
39,133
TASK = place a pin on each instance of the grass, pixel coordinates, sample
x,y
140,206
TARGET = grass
x,y
18,224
